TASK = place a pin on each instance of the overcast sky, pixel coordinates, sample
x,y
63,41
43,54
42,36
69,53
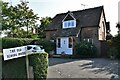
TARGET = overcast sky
x,y
52,7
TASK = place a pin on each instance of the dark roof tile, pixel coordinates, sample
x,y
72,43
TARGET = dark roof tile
x,y
87,17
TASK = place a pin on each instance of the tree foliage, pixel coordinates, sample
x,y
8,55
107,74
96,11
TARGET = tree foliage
x,y
45,21
118,26
14,18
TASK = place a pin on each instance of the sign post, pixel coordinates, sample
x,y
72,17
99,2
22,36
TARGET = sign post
x,y
17,52
27,65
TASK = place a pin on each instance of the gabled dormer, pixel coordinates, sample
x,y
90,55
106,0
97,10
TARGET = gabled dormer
x,y
69,21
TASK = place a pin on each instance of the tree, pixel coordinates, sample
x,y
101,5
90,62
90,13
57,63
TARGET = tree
x,y
5,16
27,19
118,26
17,17
45,21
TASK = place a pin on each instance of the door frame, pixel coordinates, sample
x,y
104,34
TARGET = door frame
x,y
68,50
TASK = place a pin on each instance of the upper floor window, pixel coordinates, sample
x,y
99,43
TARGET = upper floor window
x,y
69,24
102,26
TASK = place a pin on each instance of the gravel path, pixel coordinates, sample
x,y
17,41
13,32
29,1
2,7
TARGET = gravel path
x,y
84,68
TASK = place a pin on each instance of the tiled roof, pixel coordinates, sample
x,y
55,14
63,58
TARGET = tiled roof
x,y
85,18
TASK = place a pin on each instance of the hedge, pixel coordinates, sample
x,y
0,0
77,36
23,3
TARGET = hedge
x,y
16,68
47,45
16,42
40,65
85,50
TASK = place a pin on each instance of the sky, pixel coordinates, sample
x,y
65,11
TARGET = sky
x,y
52,7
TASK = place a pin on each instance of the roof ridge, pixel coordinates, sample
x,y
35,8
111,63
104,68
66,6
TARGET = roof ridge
x,y
81,10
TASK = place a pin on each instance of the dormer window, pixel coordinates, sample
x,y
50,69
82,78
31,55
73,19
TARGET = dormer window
x,y
69,24
69,21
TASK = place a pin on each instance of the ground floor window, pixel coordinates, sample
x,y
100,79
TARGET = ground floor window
x,y
70,42
59,40
89,40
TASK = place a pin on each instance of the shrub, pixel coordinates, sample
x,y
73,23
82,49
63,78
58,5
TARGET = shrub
x,y
47,45
113,52
14,42
116,43
85,50
11,42
16,68
39,61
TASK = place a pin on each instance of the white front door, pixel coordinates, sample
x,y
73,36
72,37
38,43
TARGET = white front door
x,y
63,45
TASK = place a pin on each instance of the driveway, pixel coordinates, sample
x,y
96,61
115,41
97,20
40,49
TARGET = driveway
x,y
82,68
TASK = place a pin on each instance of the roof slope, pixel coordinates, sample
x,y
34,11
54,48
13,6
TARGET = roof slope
x,y
85,18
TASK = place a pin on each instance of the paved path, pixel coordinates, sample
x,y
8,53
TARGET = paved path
x,y
85,68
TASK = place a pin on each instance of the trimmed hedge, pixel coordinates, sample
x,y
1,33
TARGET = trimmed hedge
x,y
39,61
16,42
16,68
47,45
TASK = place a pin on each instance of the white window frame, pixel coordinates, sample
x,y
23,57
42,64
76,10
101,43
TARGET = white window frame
x,y
88,40
65,24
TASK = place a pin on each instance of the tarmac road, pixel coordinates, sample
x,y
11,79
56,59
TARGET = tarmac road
x,y
98,68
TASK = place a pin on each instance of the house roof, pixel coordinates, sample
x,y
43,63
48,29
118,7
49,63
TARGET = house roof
x,y
67,32
84,18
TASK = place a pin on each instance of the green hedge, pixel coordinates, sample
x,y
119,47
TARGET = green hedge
x,y
47,45
85,50
116,43
39,61
16,42
16,68
113,52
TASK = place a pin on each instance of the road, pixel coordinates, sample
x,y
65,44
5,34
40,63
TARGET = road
x,y
83,68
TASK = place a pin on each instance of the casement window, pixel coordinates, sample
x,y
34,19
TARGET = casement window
x,y
59,40
89,40
69,24
70,42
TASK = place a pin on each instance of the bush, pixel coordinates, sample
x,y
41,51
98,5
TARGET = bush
x,y
85,50
11,42
116,43
14,42
16,68
113,52
47,45
39,61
